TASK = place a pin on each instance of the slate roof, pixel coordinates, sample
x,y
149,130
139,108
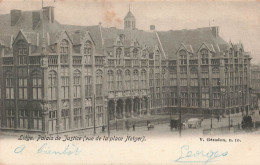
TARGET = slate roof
x,y
172,40
104,38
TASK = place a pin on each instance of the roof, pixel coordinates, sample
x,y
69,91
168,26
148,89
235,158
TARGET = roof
x,y
129,15
172,40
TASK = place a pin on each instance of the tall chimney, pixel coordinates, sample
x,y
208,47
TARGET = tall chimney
x,y
49,13
15,16
214,31
35,18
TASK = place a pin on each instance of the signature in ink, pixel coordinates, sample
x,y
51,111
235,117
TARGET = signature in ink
x,y
70,149
199,156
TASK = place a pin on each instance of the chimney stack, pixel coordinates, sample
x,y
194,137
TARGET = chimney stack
x,y
152,27
35,18
214,31
49,13
15,16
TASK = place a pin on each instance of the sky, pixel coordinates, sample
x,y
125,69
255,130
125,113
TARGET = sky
x,y
237,20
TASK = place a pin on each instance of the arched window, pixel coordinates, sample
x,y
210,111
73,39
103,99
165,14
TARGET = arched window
x,y
143,79
136,78
64,52
119,80
127,80
37,85
87,52
118,56
76,84
110,80
99,82
52,85
183,57
204,56
22,52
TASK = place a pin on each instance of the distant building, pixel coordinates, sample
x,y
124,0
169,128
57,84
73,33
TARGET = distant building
x,y
255,84
65,77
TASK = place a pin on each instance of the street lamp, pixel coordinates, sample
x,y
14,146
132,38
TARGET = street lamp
x,y
180,124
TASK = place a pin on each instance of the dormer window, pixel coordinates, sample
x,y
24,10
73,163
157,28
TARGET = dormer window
x,y
87,52
204,56
135,53
144,54
22,53
183,57
64,52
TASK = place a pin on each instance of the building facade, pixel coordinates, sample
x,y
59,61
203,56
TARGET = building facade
x,y
57,77
255,84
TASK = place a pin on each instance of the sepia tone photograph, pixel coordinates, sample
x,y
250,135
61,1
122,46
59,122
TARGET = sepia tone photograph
x,y
129,71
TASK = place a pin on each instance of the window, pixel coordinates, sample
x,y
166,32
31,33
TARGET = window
x,y
99,82
110,80
10,115
9,86
52,120
204,56
163,77
127,80
22,88
144,54
135,56
119,80
65,118
205,81
64,87
135,76
157,79
37,119
143,79
118,56
76,84
22,53
88,86
151,78
37,86
157,57
183,57
77,117
87,52
23,118
194,82
52,85
64,52
184,82
135,53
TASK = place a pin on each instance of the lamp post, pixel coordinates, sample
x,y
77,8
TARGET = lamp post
x,y
180,124
94,111
108,124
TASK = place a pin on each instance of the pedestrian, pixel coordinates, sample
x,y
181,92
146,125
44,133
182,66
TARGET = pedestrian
x,y
133,127
103,128
148,126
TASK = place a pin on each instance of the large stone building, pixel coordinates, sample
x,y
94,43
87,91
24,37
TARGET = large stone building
x,y
65,77
255,84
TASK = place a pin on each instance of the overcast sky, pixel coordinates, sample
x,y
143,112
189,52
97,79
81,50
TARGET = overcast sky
x,y
238,20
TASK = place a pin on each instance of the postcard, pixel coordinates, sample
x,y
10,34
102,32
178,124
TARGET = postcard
x,y
129,82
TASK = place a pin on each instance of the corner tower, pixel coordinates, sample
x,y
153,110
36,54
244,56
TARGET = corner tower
x,y
129,21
